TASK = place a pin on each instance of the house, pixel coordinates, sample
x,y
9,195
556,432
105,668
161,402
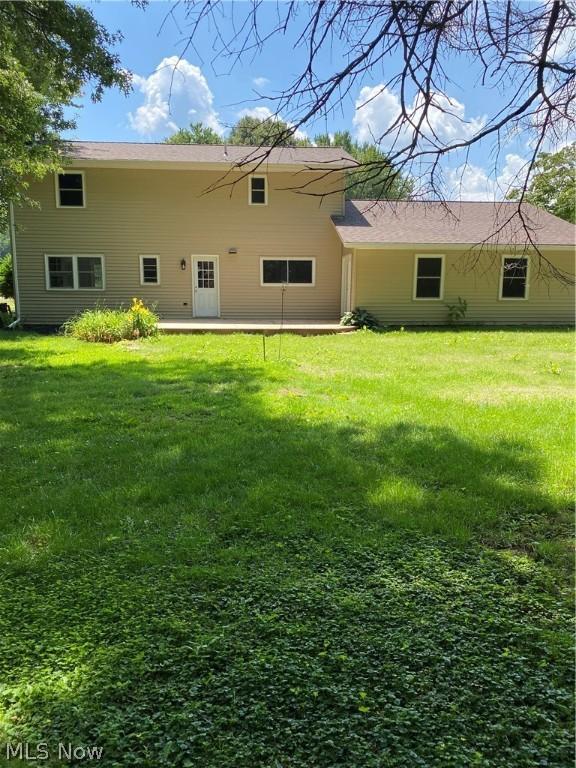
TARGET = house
x,y
209,231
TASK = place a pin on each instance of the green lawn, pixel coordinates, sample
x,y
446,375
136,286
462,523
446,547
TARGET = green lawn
x,y
356,556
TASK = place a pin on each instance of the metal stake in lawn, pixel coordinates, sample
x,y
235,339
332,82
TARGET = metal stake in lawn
x,y
284,285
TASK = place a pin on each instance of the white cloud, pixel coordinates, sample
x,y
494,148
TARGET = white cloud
x,y
562,50
472,182
260,82
175,94
378,107
260,113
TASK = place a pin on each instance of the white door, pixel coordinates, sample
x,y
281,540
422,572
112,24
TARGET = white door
x,y
346,296
206,290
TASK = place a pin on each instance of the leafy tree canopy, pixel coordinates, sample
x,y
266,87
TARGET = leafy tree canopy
x,y
49,53
553,183
6,278
252,131
376,179
196,134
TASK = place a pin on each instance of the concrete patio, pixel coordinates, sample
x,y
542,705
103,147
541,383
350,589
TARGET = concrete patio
x,y
217,325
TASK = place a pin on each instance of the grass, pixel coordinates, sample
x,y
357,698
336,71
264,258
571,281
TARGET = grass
x,y
356,556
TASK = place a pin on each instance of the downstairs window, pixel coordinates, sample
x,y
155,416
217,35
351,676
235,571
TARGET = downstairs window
x,y
514,278
74,273
149,270
428,277
287,271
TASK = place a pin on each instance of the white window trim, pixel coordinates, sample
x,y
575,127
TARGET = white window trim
x,y
149,256
74,257
501,281
288,258
415,280
258,176
57,190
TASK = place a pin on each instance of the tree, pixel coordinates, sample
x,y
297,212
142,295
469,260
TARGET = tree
x,y
252,131
196,134
520,50
383,182
6,277
553,183
49,53
4,244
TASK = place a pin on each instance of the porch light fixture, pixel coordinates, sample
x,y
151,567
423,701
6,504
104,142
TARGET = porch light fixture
x,y
183,264
232,250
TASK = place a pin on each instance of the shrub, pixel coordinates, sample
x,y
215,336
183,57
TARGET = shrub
x,y
457,311
6,277
110,325
361,318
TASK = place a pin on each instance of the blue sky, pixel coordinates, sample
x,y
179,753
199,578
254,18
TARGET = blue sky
x,y
218,94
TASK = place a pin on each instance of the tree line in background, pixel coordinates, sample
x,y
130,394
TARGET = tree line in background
x,y
376,178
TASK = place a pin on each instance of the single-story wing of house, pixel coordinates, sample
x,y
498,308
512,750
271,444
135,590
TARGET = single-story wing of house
x,y
238,233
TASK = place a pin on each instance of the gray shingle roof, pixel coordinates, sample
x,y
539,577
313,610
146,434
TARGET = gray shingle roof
x,y
114,151
389,222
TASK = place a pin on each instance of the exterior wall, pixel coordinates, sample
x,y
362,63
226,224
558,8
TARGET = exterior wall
x,y
165,213
384,283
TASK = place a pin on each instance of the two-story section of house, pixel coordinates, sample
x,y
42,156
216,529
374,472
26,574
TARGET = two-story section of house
x,y
198,231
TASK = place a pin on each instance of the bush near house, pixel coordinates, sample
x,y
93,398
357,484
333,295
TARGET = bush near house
x,y
111,325
6,277
361,318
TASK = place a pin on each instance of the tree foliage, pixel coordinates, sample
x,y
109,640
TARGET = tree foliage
x,y
553,183
198,133
6,277
376,177
49,53
252,131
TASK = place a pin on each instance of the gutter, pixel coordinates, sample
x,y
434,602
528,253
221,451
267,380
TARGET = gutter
x,y
383,246
14,266
255,166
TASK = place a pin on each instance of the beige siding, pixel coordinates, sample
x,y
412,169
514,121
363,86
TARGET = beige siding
x,y
384,284
133,212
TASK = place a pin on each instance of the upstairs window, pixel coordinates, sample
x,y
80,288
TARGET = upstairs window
x,y
70,190
514,278
287,271
429,277
74,273
258,190
149,270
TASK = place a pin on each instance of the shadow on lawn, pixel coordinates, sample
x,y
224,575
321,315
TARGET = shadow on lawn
x,y
187,451
191,573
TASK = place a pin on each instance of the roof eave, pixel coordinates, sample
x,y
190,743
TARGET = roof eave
x,y
223,166
383,246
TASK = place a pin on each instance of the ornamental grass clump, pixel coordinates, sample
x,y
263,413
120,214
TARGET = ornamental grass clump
x,y
111,325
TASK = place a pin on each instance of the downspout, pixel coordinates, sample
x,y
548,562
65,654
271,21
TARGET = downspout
x,y
14,266
353,279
